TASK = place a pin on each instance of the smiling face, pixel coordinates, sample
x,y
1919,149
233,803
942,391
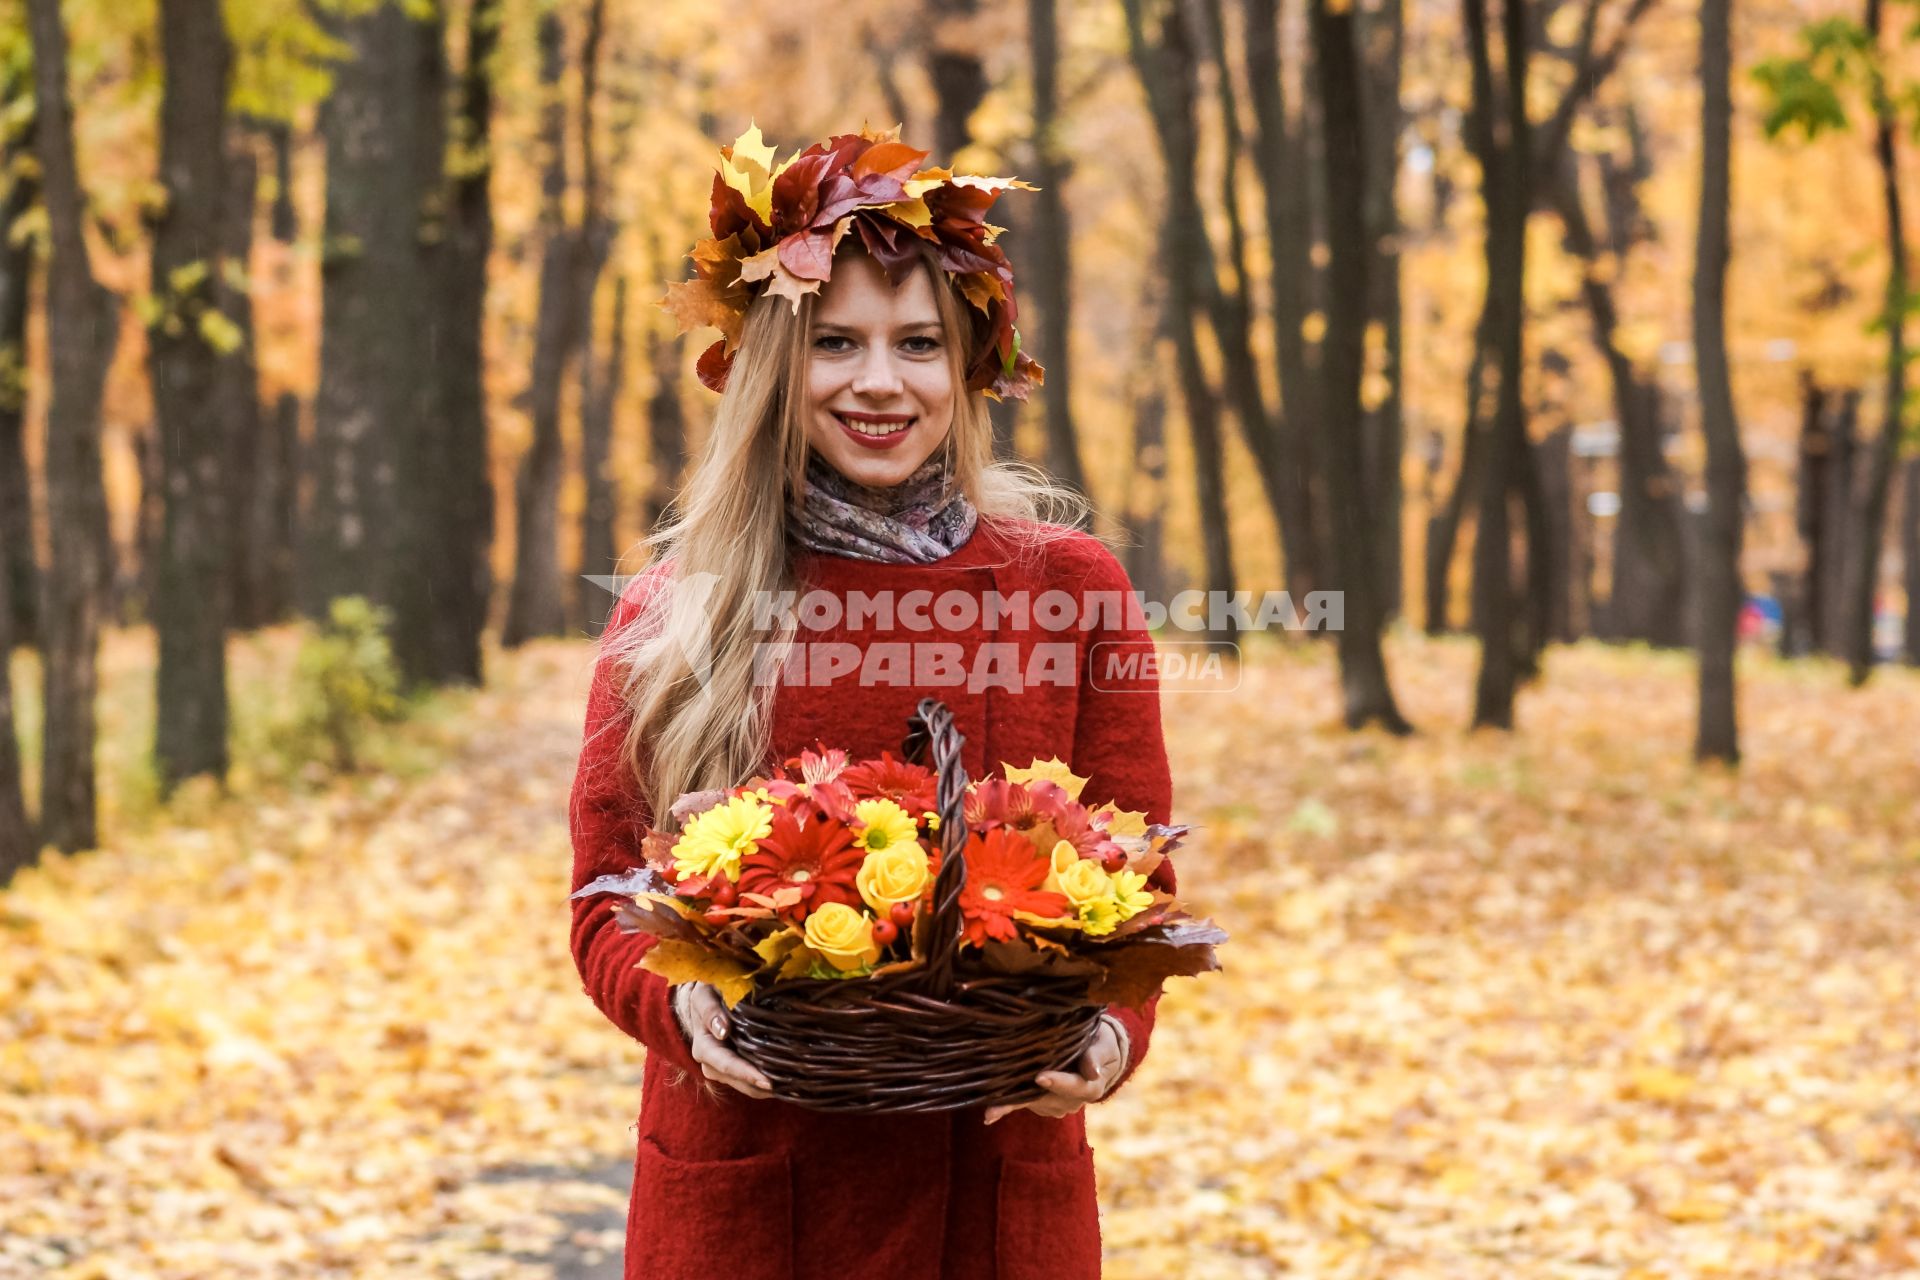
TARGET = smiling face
x,y
880,380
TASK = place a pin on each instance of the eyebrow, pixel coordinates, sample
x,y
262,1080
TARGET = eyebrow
x,y
828,326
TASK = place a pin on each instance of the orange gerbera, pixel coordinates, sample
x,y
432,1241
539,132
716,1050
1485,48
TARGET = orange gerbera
x,y
1004,874
820,859
909,785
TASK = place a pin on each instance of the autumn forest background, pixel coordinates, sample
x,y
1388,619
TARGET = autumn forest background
x,y
1571,883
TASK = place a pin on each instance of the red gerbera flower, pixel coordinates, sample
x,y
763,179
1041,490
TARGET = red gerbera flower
x,y
819,859
1003,876
911,786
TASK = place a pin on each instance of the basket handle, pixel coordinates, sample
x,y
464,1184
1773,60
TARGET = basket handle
x,y
930,729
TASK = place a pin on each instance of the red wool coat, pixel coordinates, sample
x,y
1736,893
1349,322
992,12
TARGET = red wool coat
x,y
743,1189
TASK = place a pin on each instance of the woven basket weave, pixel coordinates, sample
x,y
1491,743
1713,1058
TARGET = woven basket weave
x,y
928,1039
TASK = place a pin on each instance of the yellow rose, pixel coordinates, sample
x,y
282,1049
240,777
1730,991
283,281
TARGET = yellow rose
x,y
1064,855
896,874
842,935
1087,888
1082,880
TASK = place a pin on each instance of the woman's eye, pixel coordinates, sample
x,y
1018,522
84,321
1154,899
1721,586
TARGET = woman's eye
x,y
829,342
923,346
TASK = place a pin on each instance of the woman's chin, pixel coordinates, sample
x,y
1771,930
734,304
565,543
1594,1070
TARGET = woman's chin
x,y
877,468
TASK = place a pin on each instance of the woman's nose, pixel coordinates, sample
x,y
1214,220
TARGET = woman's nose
x,y
876,375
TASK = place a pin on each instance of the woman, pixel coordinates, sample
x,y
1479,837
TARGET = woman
x,y
851,453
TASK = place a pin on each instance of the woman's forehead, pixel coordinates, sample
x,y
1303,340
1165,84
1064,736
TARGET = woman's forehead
x,y
860,290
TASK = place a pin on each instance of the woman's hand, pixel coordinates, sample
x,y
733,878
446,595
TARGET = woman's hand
x,y
703,1017
1100,1066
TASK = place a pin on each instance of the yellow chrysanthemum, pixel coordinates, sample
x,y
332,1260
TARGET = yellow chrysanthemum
x,y
888,826
1130,894
1098,916
717,839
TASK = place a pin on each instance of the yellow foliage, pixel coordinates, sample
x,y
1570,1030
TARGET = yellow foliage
x,y
686,962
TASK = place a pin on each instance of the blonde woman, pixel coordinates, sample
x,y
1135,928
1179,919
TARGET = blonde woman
x,y
866,314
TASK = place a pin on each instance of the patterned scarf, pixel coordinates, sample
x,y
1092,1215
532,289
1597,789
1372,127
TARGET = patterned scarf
x,y
918,521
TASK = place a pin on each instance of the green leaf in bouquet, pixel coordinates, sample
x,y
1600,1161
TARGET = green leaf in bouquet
x,y
1136,968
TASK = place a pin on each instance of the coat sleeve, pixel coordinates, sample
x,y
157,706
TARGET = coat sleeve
x,y
608,815
1118,743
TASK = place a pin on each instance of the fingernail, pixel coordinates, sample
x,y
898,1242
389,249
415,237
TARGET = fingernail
x,y
719,1027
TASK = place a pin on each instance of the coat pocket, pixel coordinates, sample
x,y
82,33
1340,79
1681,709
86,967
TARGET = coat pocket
x,y
1049,1219
695,1219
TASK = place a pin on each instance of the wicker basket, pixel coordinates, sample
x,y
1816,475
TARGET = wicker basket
x,y
928,1039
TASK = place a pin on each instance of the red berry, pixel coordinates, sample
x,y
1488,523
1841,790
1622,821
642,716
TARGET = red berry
x,y
725,893
1116,860
901,915
718,917
884,932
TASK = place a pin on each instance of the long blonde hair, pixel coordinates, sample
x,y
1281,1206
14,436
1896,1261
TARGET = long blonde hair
x,y
699,718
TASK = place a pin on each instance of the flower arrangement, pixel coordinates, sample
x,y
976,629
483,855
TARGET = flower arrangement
x,y
825,873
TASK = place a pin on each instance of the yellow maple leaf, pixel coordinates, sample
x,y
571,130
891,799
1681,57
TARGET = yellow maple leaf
x,y
1052,769
689,962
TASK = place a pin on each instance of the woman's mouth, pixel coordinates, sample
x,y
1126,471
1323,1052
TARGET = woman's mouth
x,y
876,430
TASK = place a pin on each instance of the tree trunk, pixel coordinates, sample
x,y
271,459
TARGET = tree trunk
x,y
18,563
1720,594
1841,492
254,496
1363,668
959,87
82,328
465,538
1052,247
1167,70
1279,157
18,848
1910,555
1144,501
1804,626
192,583
421,498
1504,153
1383,430
1228,306
599,392
1443,526
372,294
666,432
1863,579
1646,602
1554,461
535,606
959,77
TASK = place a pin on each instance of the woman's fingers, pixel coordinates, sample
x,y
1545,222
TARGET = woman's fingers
x,y
1065,1084
721,1064
708,1016
709,1011
1103,1059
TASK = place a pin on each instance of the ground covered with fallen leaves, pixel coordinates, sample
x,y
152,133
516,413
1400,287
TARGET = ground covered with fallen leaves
x,y
1556,1004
